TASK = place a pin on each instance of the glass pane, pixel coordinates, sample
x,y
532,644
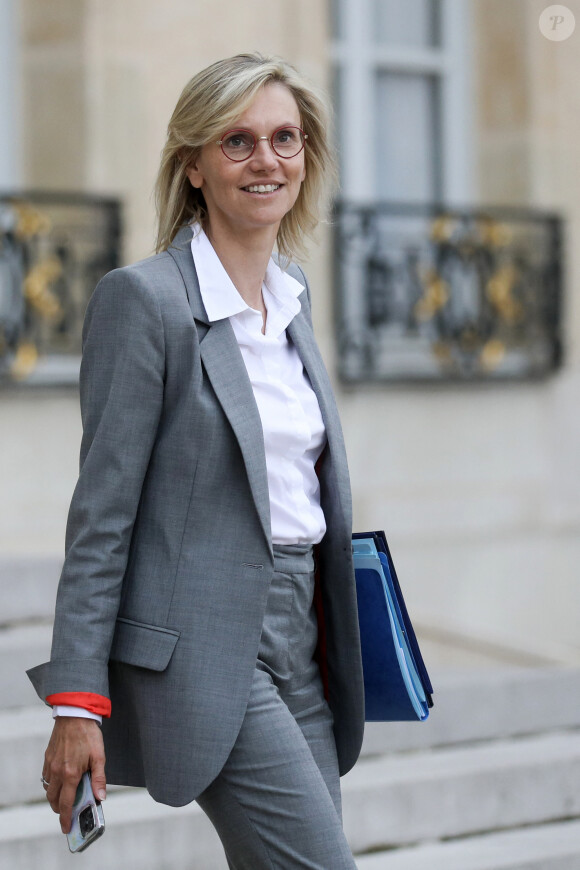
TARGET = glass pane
x,y
337,18
337,91
407,137
406,22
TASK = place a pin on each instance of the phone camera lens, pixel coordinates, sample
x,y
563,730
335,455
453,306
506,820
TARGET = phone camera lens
x,y
86,821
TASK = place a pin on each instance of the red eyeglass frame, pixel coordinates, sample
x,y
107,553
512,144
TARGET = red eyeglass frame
x,y
303,135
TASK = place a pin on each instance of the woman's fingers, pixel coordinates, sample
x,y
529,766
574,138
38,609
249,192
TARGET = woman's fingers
x,y
66,799
76,745
98,779
52,795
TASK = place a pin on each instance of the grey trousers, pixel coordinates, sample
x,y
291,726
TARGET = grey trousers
x,y
276,803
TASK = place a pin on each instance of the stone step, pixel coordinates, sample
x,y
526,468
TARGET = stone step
x,y
23,738
28,587
21,647
469,705
142,835
139,835
452,792
24,732
485,705
387,803
469,708
544,847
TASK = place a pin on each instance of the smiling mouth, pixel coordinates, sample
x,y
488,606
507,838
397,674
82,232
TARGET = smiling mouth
x,y
262,188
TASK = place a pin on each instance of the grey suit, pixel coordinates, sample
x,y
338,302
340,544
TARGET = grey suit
x,y
168,548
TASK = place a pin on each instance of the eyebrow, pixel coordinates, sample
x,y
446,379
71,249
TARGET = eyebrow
x,y
277,127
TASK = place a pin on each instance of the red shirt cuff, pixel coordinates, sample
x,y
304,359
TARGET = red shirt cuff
x,y
93,703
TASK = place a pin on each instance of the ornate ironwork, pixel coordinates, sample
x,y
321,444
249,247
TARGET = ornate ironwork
x,y
53,250
428,293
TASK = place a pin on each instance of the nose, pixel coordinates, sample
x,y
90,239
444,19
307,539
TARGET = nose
x,y
264,156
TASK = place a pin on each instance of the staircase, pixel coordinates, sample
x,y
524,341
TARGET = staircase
x,y
490,781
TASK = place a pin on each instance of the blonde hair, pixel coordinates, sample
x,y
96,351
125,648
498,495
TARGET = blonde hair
x,y
211,101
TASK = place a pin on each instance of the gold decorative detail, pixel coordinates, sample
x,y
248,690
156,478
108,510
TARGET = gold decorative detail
x,y
493,234
442,352
436,296
442,229
24,361
500,293
492,353
37,291
30,221
469,339
487,232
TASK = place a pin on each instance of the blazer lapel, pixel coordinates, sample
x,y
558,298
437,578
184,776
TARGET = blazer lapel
x,y
180,250
225,368
302,336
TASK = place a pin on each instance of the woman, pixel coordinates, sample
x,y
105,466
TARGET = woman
x,y
212,467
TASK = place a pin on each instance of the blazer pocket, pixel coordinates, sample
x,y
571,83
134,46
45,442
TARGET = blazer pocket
x,y
143,645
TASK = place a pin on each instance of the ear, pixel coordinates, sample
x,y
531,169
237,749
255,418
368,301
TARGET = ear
x,y
194,173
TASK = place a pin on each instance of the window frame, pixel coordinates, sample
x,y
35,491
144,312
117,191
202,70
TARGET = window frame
x,y
357,60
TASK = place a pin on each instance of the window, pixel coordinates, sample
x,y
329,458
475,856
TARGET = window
x,y
9,88
402,88
428,287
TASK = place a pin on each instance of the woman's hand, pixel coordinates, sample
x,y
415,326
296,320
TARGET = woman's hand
x,y
76,745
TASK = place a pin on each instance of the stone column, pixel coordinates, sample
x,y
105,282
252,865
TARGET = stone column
x,y
9,91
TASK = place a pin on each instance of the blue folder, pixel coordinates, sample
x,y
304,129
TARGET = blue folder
x,y
397,685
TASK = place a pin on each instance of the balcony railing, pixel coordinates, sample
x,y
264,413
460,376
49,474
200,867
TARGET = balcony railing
x,y
427,293
53,250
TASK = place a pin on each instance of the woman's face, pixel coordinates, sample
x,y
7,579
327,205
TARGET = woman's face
x,y
229,187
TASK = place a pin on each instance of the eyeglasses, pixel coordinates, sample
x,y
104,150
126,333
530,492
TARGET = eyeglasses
x,y
286,142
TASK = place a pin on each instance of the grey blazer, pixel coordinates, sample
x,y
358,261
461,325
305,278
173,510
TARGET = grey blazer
x,y
168,544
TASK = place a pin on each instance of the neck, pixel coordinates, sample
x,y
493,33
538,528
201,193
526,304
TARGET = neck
x,y
245,259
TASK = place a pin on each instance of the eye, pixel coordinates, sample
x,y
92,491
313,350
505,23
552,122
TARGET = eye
x,y
287,136
238,139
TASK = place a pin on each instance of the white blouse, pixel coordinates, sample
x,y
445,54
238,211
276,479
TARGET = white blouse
x,y
292,425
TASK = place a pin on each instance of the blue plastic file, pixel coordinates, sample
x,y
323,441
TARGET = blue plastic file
x,y
397,686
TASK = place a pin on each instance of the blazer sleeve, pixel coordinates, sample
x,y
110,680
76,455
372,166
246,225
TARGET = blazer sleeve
x,y
121,391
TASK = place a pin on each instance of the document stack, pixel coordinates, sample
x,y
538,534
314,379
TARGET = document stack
x,y
397,686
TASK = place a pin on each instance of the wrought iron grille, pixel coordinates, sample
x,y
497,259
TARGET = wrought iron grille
x,y
53,250
428,293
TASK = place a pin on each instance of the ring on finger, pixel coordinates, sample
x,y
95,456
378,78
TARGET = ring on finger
x,y
44,782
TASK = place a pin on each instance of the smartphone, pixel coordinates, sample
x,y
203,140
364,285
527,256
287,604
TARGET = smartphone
x,y
88,821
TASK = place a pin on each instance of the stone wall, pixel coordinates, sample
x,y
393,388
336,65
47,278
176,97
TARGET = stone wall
x,y
102,77
477,487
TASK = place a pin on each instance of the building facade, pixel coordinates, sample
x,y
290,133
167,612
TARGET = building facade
x,y
464,103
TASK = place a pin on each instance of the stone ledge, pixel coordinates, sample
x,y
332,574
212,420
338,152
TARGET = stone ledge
x,y
28,587
545,847
21,647
386,802
461,791
140,835
485,705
